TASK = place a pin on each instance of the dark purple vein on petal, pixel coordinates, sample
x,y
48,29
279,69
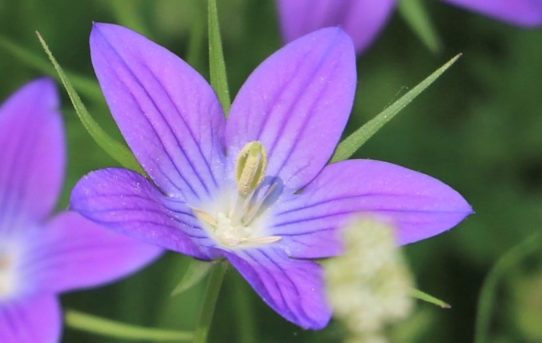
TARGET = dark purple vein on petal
x,y
279,94
190,132
299,310
301,90
304,124
149,122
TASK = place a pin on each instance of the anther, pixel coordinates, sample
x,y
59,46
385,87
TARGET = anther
x,y
251,167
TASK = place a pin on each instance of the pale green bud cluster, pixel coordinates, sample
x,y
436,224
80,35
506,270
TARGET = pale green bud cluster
x,y
369,286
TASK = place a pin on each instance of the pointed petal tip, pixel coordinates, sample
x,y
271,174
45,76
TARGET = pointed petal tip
x,y
97,25
105,29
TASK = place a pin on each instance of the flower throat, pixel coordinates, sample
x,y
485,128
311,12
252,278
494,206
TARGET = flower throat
x,y
240,225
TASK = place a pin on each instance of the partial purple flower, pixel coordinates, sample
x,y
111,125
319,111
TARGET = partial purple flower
x,y
254,189
363,20
518,12
41,257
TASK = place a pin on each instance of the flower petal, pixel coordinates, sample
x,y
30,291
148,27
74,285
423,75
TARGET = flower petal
x,y
32,153
297,103
293,288
167,112
419,205
361,19
36,319
124,201
519,12
73,252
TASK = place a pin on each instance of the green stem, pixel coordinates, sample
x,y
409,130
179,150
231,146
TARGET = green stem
x,y
246,327
209,303
106,327
487,294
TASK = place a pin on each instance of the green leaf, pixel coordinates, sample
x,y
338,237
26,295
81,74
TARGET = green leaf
x,y
353,142
86,86
109,328
416,293
116,150
195,273
217,66
487,295
419,20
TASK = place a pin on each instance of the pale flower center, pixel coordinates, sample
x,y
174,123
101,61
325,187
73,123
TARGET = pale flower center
x,y
7,275
238,218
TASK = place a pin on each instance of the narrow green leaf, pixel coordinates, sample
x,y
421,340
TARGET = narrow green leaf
x,y
86,86
195,273
217,66
109,328
353,142
419,20
487,295
116,150
416,293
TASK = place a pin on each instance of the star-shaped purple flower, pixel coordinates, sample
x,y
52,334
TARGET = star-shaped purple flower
x,y
41,256
364,19
255,188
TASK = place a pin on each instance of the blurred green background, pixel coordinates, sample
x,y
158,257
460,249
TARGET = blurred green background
x,y
479,129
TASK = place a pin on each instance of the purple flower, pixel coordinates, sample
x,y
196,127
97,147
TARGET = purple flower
x,y
41,257
364,19
254,189
526,13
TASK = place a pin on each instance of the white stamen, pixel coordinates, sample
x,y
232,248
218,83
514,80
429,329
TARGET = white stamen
x,y
237,218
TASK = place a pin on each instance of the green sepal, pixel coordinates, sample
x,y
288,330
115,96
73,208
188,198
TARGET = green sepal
x,y
86,86
195,273
353,142
115,149
420,295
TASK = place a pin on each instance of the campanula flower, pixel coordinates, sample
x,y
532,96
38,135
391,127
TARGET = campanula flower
x,y
364,19
42,256
253,189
